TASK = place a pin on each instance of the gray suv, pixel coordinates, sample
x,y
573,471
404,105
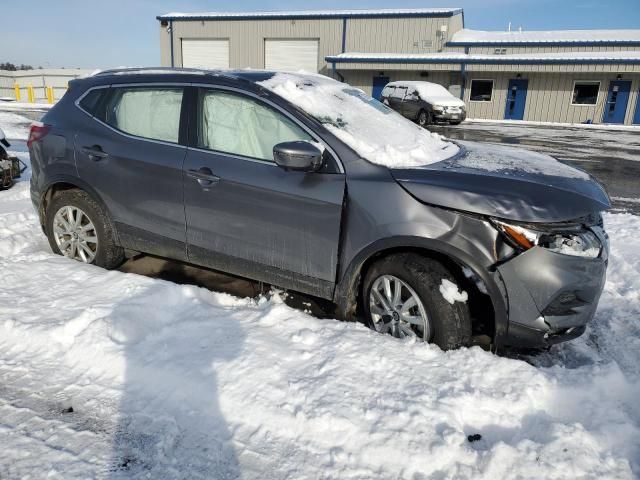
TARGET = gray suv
x,y
308,184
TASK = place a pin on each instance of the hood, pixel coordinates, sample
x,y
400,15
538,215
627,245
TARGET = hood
x,y
506,182
443,101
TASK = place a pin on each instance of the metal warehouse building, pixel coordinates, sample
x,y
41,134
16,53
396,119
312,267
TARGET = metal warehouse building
x,y
546,76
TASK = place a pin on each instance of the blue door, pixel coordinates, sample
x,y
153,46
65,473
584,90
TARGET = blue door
x,y
378,85
636,117
516,99
617,99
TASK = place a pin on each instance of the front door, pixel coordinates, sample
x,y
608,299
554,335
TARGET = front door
x,y
378,84
516,99
130,154
247,216
616,107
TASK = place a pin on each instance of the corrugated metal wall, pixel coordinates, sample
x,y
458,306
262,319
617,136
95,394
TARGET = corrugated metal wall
x,y
388,35
364,79
246,38
549,96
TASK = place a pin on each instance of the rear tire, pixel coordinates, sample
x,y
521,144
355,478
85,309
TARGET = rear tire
x,y
78,227
447,325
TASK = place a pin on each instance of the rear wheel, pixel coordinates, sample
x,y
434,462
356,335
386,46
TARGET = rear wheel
x,y
402,298
78,227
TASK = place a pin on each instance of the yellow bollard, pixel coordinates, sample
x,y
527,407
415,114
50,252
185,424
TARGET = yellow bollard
x,y
30,93
16,87
49,95
53,97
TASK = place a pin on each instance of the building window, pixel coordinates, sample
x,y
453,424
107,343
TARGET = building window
x,y
585,93
481,90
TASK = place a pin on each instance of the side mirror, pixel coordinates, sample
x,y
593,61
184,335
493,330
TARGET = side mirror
x,y
299,155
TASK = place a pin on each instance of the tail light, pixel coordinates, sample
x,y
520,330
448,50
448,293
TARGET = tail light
x,y
38,132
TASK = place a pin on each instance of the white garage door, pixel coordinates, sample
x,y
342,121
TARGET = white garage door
x,y
291,55
205,53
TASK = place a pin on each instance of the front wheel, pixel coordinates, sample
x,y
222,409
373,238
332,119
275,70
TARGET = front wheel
x,y
424,118
78,228
403,297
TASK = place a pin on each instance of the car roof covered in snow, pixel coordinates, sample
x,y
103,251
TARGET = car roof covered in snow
x,y
558,37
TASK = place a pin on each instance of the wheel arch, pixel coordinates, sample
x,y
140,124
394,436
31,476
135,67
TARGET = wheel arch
x,y
63,182
348,292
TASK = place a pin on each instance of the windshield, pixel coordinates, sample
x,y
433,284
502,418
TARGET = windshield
x,y
372,129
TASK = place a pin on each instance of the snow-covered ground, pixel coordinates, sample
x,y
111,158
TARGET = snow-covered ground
x,y
115,375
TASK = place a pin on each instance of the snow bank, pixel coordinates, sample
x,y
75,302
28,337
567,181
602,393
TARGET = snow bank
x,y
372,129
113,375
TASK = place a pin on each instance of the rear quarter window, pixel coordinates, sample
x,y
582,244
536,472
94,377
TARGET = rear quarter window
x,y
92,100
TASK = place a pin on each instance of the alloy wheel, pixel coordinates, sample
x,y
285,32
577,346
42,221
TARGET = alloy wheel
x,y
396,309
75,234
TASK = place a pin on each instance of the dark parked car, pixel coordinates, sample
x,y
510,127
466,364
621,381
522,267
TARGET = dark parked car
x,y
306,183
424,102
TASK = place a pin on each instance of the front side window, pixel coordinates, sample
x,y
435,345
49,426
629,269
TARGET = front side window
x,y
585,93
399,92
244,126
148,112
481,90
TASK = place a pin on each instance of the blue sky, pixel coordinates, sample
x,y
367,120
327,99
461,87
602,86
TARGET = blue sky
x,y
99,33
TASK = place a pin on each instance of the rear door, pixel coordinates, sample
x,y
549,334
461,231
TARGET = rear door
x,y
131,155
247,216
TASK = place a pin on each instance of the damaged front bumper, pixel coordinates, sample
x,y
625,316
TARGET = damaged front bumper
x,y
551,297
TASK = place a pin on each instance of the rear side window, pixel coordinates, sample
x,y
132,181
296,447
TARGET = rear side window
x,y
244,126
148,112
91,101
387,91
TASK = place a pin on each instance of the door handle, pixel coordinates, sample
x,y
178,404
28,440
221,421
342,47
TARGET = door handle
x,y
95,153
204,176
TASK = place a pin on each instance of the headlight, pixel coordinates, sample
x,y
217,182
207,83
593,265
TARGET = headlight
x,y
438,108
578,242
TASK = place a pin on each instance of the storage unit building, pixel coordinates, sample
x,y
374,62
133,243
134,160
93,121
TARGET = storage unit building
x,y
554,76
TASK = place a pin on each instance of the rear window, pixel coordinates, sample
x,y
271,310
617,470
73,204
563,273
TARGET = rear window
x,y
148,112
91,101
387,91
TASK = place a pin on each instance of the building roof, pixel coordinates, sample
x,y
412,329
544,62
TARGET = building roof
x,y
585,58
303,14
467,37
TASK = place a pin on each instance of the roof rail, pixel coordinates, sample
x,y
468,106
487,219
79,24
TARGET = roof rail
x,y
156,69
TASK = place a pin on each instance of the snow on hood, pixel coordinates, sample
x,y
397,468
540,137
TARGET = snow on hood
x,y
513,160
372,129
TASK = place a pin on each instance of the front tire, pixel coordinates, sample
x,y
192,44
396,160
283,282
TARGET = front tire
x,y
402,298
424,118
78,227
